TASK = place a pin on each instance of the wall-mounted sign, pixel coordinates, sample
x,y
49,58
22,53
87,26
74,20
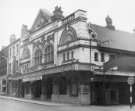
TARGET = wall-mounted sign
x,y
35,78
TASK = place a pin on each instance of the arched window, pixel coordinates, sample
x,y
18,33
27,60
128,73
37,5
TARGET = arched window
x,y
49,54
38,57
68,35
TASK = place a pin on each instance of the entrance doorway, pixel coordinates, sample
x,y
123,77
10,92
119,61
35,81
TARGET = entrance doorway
x,y
124,93
104,93
97,94
49,87
36,89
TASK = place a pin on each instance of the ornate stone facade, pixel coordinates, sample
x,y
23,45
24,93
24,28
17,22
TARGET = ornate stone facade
x,y
61,59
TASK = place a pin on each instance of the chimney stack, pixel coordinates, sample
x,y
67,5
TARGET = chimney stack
x,y
12,38
109,23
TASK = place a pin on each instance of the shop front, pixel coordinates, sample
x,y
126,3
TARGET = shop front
x,y
67,83
72,83
110,90
3,85
32,87
13,87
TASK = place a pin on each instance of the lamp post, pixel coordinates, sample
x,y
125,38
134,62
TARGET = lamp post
x,y
92,39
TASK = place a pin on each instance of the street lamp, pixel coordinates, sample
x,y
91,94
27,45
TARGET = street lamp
x,y
92,36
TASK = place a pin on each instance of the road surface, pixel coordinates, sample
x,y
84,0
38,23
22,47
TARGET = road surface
x,y
12,105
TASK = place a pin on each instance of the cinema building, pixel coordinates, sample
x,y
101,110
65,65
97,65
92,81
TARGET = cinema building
x,y
61,59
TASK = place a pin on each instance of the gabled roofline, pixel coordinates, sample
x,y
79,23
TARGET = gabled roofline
x,y
116,30
118,51
40,11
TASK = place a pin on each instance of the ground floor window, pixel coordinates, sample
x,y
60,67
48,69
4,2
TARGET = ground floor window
x,y
3,89
74,90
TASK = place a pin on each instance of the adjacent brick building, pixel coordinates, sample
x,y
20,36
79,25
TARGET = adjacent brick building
x,y
3,70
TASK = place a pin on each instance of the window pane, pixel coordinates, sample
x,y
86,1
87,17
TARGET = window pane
x,y
102,57
96,56
72,54
38,57
49,57
63,56
67,55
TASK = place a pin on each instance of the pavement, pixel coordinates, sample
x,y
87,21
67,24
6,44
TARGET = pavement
x,y
32,101
20,104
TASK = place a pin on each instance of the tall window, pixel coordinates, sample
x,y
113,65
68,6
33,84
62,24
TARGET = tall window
x,y
72,54
64,56
16,65
25,67
9,68
102,57
68,56
96,56
49,54
10,53
17,49
38,57
13,50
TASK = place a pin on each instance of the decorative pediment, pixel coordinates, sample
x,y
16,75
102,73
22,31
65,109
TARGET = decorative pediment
x,y
42,18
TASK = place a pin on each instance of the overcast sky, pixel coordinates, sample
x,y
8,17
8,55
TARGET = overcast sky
x,y
14,13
